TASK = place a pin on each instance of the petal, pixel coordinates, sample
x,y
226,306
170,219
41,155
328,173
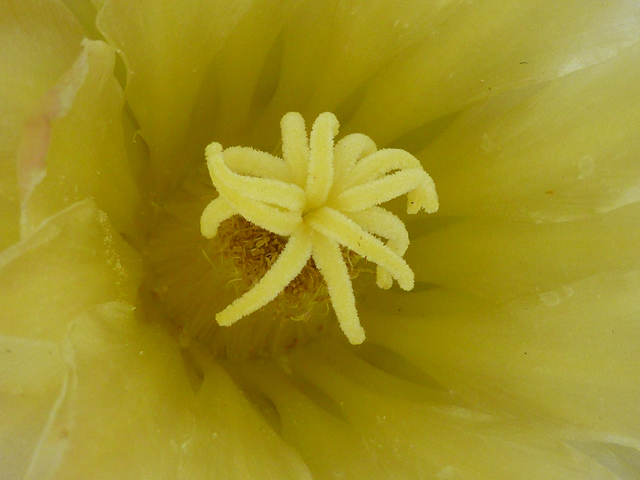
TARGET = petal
x,y
569,353
432,438
246,75
34,382
511,44
347,42
330,447
231,440
86,156
167,48
500,260
39,42
131,389
71,262
553,152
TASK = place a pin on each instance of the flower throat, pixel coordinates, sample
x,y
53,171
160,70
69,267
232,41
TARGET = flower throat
x,y
281,240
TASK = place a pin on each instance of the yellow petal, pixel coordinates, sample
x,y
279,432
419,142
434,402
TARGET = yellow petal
x,y
34,382
329,446
475,50
426,437
71,262
86,156
131,389
500,260
231,440
568,354
348,43
553,152
39,42
167,48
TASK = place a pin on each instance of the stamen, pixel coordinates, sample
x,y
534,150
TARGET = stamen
x,y
346,153
287,267
379,191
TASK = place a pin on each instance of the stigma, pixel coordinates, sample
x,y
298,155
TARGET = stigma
x,y
323,197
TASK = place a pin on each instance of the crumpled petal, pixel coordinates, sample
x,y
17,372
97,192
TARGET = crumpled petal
x,y
75,146
39,42
167,48
73,261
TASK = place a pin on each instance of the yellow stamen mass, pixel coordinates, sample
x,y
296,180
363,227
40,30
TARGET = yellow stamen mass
x,y
321,196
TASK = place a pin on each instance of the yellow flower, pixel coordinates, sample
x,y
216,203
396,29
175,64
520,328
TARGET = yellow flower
x,y
514,357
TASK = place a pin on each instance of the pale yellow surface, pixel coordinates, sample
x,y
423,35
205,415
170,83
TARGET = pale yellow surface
x,y
72,261
86,156
515,356
38,43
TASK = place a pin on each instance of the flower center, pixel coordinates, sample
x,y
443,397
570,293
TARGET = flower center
x,y
280,240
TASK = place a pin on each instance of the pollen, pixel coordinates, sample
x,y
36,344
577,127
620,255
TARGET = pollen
x,y
311,206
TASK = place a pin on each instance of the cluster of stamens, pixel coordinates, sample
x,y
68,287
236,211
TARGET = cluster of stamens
x,y
323,198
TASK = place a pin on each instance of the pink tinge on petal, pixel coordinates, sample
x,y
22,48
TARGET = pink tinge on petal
x,y
36,136
32,154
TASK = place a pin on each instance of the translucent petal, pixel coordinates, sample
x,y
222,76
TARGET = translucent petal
x,y
231,440
568,353
330,447
39,42
185,38
427,439
86,156
85,11
502,260
131,389
552,152
349,42
71,262
475,50
34,381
